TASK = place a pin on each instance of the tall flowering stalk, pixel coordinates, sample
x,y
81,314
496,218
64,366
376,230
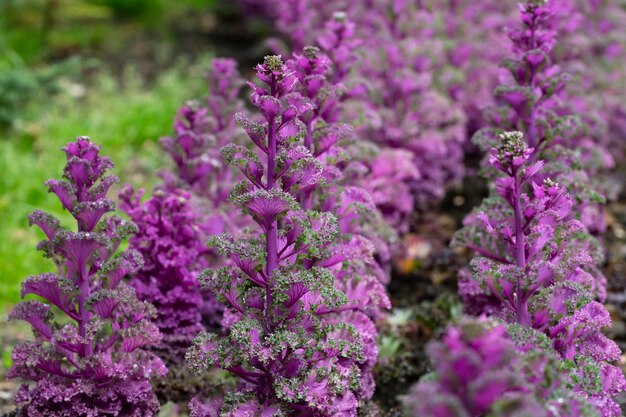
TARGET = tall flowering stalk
x,y
532,270
88,357
535,101
201,130
288,353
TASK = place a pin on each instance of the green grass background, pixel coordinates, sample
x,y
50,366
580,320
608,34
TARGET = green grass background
x,y
117,108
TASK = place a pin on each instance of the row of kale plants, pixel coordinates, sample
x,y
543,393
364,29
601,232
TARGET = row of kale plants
x,y
303,198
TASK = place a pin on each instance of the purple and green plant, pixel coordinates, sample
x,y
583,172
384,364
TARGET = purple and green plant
x,y
534,99
533,270
480,371
89,354
284,344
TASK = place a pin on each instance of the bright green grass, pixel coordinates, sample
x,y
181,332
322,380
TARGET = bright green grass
x,y
126,119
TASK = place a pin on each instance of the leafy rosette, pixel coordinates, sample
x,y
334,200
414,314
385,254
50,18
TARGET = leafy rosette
x,y
479,371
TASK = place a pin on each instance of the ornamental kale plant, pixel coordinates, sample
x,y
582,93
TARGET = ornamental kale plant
x,y
479,371
534,101
200,132
174,251
603,72
285,343
88,356
399,107
532,270
465,67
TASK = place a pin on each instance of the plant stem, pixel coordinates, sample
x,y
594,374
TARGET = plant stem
x,y
271,236
522,313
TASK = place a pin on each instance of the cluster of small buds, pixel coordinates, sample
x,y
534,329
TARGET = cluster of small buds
x,y
88,356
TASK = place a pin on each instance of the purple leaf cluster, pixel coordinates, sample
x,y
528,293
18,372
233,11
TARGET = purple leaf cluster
x,y
533,270
479,371
89,354
300,339
172,244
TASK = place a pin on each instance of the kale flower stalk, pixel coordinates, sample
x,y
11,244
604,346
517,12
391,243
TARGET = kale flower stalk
x,y
282,343
536,82
510,158
279,82
391,97
534,271
92,362
534,18
201,130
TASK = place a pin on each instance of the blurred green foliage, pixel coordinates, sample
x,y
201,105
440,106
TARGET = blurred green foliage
x,y
125,117
42,41
20,85
66,70
37,29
